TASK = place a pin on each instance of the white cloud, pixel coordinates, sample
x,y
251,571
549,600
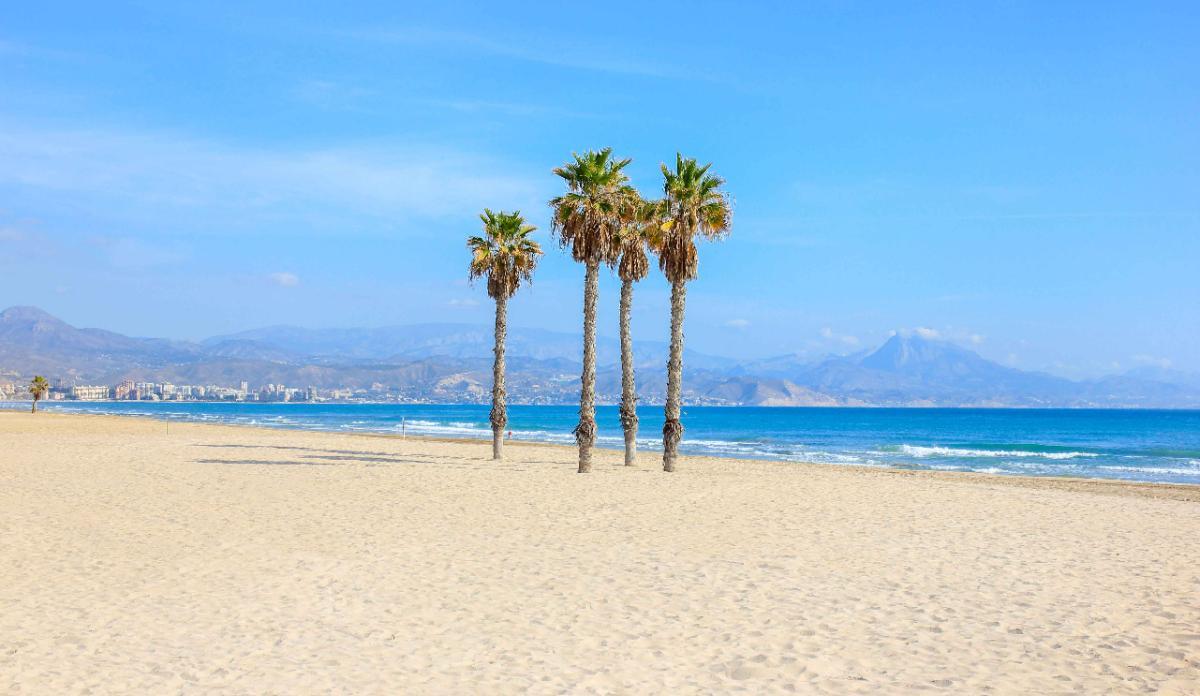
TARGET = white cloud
x,y
946,333
284,279
738,323
829,334
1152,360
463,303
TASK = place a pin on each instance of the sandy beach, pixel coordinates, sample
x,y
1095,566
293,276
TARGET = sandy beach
x,y
142,557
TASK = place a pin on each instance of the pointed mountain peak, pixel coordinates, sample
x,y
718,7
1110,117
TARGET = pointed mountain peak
x,y
27,314
918,348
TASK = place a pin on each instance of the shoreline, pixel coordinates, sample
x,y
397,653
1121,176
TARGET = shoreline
x,y
1148,489
614,404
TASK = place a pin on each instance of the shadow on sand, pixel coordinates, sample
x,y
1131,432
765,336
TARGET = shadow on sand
x,y
314,456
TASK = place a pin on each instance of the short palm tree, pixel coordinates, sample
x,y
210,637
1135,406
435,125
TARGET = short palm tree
x,y
634,240
506,256
693,205
586,219
38,389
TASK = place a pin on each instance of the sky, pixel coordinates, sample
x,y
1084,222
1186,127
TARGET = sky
x,y
1022,178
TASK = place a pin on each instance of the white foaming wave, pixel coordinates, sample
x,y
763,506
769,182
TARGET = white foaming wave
x,y
919,451
1194,469
431,428
836,458
790,453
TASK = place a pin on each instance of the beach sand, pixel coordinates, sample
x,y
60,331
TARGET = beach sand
x,y
138,557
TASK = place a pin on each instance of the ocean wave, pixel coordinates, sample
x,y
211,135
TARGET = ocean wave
x,y
1192,470
1156,457
936,451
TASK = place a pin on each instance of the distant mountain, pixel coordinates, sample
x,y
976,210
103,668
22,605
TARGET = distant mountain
x,y
452,363
250,350
454,341
911,370
767,392
33,341
1164,375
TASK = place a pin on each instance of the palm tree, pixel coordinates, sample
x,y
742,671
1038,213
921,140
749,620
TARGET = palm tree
x,y
38,389
693,204
633,239
586,219
506,256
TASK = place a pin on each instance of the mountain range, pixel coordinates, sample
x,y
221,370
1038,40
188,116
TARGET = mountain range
x,y
452,363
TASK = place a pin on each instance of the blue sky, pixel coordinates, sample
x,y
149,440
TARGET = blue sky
x,y
1022,178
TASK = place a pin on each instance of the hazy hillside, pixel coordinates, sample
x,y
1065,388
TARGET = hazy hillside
x,y
452,362
450,340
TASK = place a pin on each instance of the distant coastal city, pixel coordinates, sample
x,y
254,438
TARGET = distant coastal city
x,y
130,390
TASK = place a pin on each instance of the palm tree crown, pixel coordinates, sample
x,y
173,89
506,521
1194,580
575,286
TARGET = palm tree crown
x,y
38,387
692,204
639,233
505,254
587,216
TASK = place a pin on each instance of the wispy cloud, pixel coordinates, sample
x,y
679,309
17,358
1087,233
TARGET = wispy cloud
x,y
350,188
11,234
1153,361
347,96
533,51
333,95
738,323
128,252
25,50
486,106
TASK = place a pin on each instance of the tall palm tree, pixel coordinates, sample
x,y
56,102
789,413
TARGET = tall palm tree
x,y
38,389
506,256
693,204
586,219
633,240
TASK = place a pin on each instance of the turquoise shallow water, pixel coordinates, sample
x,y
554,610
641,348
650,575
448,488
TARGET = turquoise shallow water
x,y
1162,446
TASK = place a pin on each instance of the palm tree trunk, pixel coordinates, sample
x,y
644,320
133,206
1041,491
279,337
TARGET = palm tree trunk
x,y
585,432
34,410
629,419
499,411
672,428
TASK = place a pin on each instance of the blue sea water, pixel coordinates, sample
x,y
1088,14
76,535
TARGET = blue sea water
x,y
1160,446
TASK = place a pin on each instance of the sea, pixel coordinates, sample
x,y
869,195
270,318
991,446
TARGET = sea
x,y
1137,445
